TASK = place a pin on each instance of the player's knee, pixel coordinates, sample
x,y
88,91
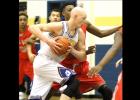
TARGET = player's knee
x,y
106,92
35,98
75,85
72,88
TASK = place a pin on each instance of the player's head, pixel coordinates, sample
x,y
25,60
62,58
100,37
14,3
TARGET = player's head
x,y
66,9
23,19
55,15
78,16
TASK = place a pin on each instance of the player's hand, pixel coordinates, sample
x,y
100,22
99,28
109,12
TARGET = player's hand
x,y
31,57
54,46
94,70
91,49
71,49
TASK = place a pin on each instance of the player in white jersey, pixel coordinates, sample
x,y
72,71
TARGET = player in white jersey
x,y
46,64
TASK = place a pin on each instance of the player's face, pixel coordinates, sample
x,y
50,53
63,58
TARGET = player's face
x,y
67,11
55,16
79,20
22,21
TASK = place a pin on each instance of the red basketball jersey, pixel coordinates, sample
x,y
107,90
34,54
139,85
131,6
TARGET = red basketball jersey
x,y
22,48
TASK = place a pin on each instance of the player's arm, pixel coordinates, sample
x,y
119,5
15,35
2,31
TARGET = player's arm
x,y
50,27
113,50
29,42
39,28
100,33
31,56
109,55
80,52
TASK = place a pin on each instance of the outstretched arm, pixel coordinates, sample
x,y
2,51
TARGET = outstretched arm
x,y
100,33
109,55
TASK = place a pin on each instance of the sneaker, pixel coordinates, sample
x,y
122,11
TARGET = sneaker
x,y
22,96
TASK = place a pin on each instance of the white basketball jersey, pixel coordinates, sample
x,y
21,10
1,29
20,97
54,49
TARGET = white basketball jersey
x,y
45,49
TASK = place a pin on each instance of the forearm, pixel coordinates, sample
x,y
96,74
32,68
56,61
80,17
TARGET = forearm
x,y
38,33
108,56
109,32
29,49
80,55
100,33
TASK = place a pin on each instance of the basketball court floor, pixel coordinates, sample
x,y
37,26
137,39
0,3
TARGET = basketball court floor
x,y
57,98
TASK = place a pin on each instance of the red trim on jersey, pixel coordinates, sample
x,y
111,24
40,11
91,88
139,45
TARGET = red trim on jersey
x,y
84,28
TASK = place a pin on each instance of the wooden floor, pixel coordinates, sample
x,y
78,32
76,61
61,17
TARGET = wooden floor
x,y
57,98
85,98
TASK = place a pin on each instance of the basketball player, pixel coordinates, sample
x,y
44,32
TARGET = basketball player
x,y
46,64
26,55
108,56
82,68
55,15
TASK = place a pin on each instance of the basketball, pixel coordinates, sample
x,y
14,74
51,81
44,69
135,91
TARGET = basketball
x,y
65,42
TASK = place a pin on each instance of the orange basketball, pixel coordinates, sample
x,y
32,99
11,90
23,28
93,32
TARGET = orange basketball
x,y
65,42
